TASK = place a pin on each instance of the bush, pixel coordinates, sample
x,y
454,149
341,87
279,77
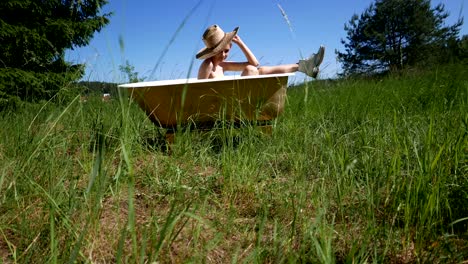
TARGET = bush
x,y
19,85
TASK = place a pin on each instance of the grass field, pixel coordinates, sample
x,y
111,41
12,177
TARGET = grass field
x,y
354,171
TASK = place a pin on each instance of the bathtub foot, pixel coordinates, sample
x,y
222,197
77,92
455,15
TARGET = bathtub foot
x,y
170,138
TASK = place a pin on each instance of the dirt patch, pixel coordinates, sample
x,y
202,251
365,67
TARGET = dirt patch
x,y
103,239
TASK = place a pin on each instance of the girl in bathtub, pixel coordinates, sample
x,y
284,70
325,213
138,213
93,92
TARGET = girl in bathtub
x,y
218,44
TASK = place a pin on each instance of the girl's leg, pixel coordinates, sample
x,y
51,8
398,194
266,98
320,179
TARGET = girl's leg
x,y
285,68
308,66
249,70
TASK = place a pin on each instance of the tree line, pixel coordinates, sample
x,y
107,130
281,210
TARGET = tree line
x,y
396,34
34,35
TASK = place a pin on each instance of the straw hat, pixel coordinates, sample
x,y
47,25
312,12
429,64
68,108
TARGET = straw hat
x,y
215,39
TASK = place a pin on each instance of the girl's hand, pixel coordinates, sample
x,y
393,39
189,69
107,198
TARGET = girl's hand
x,y
236,39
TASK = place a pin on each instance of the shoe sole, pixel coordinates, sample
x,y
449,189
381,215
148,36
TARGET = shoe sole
x,y
320,56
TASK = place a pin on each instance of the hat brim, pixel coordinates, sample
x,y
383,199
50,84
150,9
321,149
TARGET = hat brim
x,y
206,53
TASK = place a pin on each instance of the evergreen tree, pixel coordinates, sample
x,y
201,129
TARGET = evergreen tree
x,y
393,34
34,35
462,51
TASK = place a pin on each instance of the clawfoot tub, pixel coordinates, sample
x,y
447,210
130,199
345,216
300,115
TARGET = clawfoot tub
x,y
200,103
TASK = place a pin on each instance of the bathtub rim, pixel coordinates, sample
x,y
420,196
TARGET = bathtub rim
x,y
163,83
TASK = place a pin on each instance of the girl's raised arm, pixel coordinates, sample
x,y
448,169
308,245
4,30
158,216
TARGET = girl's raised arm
x,y
247,52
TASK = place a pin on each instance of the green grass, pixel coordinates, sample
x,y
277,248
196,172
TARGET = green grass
x,y
359,171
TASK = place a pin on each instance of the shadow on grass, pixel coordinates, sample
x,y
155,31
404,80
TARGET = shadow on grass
x,y
215,137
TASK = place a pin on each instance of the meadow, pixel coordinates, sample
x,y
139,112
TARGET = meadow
x,y
354,171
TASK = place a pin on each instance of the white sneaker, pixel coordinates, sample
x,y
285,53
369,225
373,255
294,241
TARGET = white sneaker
x,y
311,65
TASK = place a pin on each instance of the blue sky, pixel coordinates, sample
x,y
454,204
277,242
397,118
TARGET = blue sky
x,y
160,38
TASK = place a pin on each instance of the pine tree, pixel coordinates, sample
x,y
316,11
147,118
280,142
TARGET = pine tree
x,y
393,34
34,35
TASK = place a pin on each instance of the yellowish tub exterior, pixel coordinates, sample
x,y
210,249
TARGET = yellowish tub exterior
x,y
203,102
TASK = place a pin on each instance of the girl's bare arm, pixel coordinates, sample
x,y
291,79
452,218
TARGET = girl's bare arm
x,y
252,60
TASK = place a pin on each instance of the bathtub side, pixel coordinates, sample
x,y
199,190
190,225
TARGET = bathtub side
x,y
202,103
